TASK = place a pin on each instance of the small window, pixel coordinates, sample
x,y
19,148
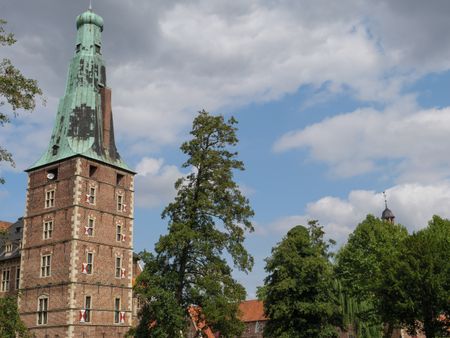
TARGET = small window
x,y
52,174
55,150
119,233
92,170
17,277
46,261
119,179
89,263
78,47
87,308
8,248
42,310
91,195
117,310
48,230
118,267
50,198
120,203
5,280
97,48
90,227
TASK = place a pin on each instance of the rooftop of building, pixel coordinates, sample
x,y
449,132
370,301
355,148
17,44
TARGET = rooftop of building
x,y
252,311
10,243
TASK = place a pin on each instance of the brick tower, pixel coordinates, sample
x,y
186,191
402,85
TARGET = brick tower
x,y
76,259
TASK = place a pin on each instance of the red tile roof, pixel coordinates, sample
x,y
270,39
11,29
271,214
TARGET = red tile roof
x,y
4,225
252,311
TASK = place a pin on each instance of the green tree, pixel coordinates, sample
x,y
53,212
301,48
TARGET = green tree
x,y
207,221
299,293
11,325
16,90
418,280
361,264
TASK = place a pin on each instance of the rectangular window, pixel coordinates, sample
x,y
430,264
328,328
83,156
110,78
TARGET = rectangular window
x,y
87,308
117,310
17,277
8,248
90,227
119,202
48,230
45,265
42,310
118,233
89,263
92,170
118,267
5,280
119,179
50,199
91,195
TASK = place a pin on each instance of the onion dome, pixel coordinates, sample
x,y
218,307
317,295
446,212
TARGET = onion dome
x,y
89,17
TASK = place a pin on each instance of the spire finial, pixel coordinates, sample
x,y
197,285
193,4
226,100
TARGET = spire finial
x,y
90,5
385,199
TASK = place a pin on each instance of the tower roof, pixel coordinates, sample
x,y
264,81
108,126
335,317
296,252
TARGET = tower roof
x,y
387,214
84,124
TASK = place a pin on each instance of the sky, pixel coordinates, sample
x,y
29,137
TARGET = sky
x,y
337,101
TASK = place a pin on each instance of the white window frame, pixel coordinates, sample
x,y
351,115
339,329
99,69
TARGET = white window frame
x,y
117,310
46,265
42,310
88,310
90,226
47,229
120,202
92,195
119,232
8,248
89,265
50,198
118,269
6,280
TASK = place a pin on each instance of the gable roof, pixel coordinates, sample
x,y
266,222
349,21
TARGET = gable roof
x,y
4,225
252,311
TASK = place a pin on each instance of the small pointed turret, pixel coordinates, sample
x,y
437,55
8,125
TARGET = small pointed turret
x,y
84,124
387,215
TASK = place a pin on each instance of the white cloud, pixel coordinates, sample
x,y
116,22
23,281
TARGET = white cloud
x,y
412,204
412,143
154,182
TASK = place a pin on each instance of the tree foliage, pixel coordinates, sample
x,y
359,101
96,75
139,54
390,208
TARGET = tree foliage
x,y
299,293
11,326
361,265
418,280
207,219
16,90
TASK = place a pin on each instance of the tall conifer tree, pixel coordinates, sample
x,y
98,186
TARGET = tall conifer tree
x,y
207,221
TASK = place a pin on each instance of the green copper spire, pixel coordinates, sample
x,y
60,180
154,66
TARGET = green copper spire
x,y
84,124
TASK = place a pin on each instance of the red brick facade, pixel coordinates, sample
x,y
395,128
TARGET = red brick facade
x,y
90,250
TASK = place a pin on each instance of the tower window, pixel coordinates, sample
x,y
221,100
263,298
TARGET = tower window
x,y
91,195
120,205
89,263
90,227
97,48
55,149
48,230
118,267
117,310
119,179
119,233
92,170
42,310
50,198
87,308
5,279
46,262
78,47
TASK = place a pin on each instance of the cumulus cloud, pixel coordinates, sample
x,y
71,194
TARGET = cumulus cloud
x,y
154,182
412,142
412,204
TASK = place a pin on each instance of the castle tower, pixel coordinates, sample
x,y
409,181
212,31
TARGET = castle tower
x,y
387,215
76,258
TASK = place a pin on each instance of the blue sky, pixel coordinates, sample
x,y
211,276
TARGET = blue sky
x,y
336,102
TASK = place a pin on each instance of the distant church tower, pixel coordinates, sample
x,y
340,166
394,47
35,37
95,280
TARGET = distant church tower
x,y
387,215
76,267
